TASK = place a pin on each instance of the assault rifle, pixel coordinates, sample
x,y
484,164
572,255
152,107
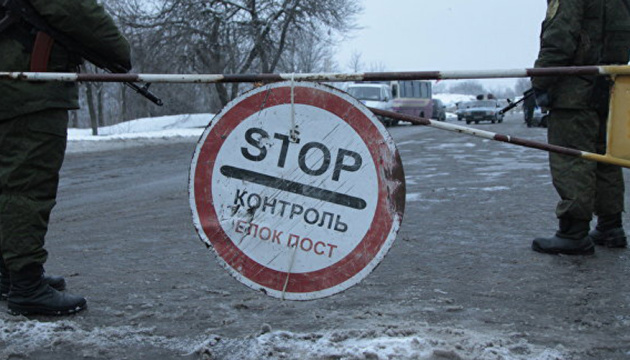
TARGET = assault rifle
x,y
16,10
512,105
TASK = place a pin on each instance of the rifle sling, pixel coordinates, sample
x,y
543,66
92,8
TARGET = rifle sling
x,y
41,52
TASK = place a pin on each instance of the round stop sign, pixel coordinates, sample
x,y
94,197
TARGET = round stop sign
x,y
298,189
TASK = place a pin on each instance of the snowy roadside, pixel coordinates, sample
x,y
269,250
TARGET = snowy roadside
x,y
140,132
392,342
169,129
154,131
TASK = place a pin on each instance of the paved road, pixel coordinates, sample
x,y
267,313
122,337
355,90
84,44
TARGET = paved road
x,y
461,272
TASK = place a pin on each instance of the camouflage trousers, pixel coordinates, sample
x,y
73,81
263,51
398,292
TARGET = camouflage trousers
x,y
32,149
585,187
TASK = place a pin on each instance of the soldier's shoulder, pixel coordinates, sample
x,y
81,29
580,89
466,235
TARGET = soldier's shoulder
x,y
552,9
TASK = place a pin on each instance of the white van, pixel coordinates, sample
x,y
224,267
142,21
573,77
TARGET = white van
x,y
377,96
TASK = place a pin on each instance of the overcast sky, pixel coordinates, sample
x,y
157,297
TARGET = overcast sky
x,y
423,35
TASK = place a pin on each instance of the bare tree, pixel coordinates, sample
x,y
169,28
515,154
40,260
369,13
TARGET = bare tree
x,y
377,66
94,97
468,87
440,87
306,53
215,36
355,64
237,36
522,85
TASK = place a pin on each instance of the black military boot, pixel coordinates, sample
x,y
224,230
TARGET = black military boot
x,y
571,239
609,232
57,282
29,294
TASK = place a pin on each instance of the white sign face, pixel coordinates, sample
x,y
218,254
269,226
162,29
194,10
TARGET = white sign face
x,y
299,190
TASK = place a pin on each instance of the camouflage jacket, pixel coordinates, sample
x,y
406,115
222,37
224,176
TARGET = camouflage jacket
x,y
572,35
84,21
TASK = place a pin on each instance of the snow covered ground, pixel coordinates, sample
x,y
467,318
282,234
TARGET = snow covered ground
x,y
159,127
179,126
174,127
370,344
139,132
449,100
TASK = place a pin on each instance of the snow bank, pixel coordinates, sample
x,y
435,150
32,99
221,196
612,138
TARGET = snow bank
x,y
185,125
450,100
23,337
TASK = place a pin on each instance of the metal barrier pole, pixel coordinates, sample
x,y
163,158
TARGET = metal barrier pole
x,y
321,77
504,138
623,72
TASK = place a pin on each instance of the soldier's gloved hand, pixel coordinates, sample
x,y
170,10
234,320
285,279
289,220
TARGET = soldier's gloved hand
x,y
542,98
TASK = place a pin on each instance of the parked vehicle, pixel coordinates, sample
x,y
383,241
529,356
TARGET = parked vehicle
x,y
483,110
461,107
439,110
413,97
533,115
539,118
377,96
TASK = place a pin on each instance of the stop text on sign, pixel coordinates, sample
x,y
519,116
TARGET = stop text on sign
x,y
254,137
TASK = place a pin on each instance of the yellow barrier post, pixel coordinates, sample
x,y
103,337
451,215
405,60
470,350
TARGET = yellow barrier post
x,y
618,133
619,119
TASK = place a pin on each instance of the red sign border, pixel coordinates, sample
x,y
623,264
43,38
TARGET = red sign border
x,y
388,167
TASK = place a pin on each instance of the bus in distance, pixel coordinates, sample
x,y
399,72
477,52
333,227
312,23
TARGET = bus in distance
x,y
412,97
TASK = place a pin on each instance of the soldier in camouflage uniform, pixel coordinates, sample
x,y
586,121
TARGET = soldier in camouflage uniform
x,y
33,134
577,33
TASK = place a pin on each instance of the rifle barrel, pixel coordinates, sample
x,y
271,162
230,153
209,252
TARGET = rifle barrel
x,y
511,106
144,91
